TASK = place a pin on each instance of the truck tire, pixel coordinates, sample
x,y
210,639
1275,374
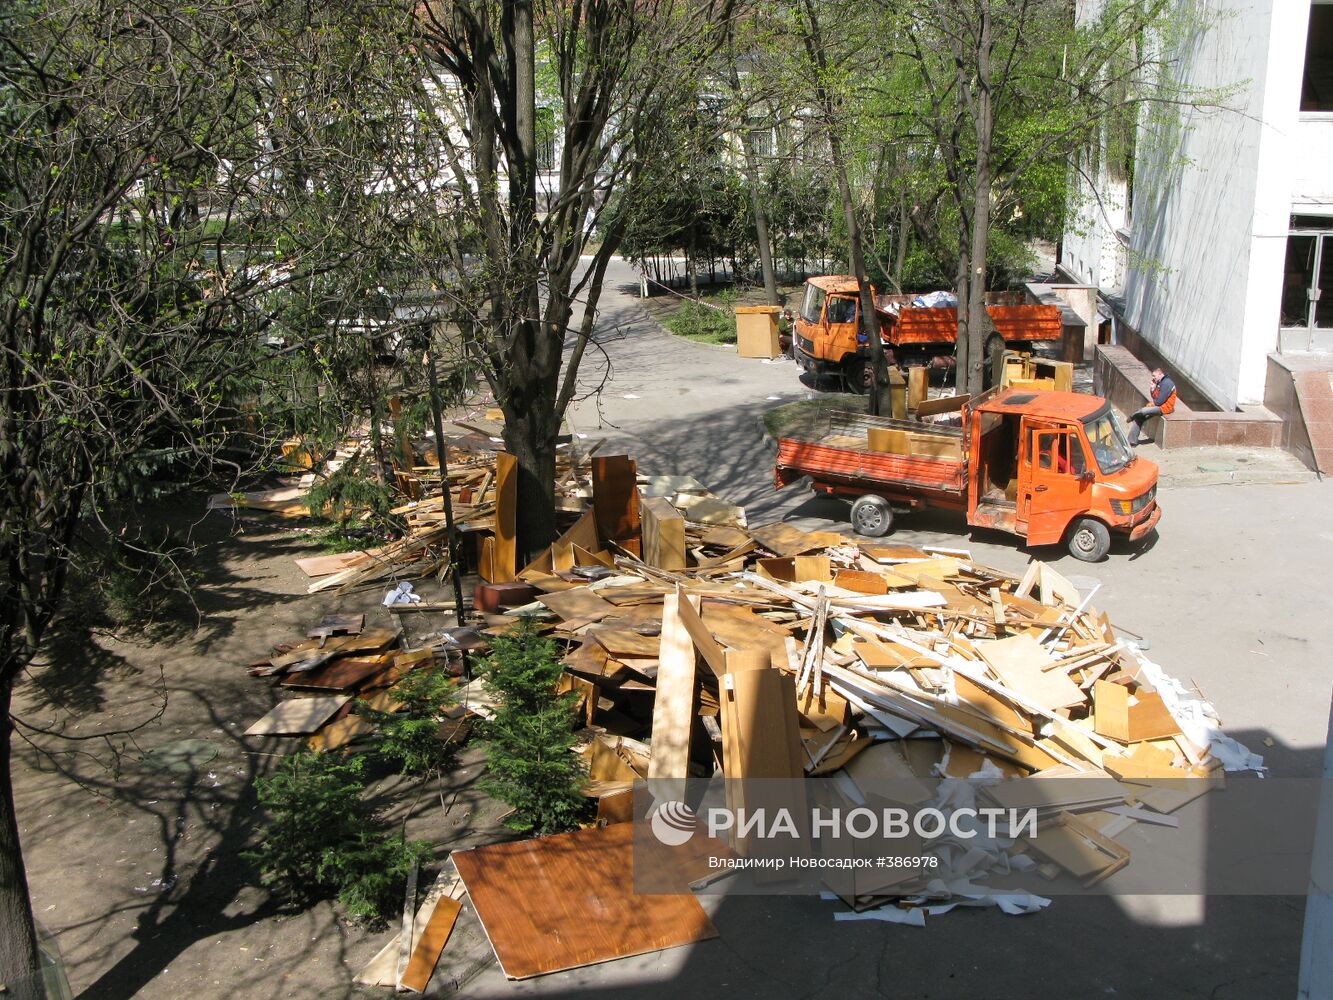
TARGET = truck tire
x,y
1089,540
872,516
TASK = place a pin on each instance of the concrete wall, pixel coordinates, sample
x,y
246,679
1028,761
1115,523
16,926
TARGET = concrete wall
x,y
1212,201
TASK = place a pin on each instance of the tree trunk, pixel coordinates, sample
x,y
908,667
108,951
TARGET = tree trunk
x,y
879,384
20,970
752,181
530,435
978,320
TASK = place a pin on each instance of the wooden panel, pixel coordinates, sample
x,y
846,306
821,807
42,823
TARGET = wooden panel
x,y
1020,661
568,901
663,534
297,716
433,939
340,675
673,708
703,637
1150,719
615,501
784,540
1111,710
504,562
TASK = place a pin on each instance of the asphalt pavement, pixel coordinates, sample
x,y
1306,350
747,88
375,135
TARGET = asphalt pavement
x,y
1231,596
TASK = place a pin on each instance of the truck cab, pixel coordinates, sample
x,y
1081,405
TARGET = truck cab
x,y
828,333
1055,466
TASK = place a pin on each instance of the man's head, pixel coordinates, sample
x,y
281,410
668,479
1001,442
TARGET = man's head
x,y
1157,374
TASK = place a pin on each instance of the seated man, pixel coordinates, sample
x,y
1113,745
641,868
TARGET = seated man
x,y
1163,401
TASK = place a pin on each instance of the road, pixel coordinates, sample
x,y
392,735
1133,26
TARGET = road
x,y
1232,596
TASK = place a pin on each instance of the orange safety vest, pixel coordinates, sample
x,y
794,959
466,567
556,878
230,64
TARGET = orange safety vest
x,y
1170,403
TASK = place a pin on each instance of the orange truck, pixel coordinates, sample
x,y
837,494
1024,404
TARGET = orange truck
x,y
1050,467
829,340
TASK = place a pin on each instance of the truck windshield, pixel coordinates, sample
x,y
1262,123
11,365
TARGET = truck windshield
x,y
1108,441
813,304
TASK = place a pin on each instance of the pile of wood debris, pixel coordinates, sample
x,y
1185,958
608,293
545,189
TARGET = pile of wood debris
x,y
700,646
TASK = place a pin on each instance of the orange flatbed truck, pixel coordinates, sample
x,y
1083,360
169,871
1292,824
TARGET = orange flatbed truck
x,y
828,338
1050,467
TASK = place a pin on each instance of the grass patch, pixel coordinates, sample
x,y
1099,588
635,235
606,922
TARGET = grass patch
x,y
711,320
780,419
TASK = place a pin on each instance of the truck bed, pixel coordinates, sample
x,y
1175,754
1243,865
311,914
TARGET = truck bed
x,y
1017,323
850,452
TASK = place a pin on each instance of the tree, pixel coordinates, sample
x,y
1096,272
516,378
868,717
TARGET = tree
x,y
168,172
1014,92
618,77
529,758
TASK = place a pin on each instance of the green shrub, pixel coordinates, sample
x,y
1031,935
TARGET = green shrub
x,y
696,320
323,839
355,502
530,764
409,739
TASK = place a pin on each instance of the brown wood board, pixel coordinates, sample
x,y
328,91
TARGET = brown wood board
x,y
426,954
504,562
615,501
1020,662
579,603
784,540
663,534
567,901
340,675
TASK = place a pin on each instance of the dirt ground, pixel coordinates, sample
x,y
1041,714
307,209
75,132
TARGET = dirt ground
x,y
139,870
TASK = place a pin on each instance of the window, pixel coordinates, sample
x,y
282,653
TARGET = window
x,y
1109,445
761,138
545,139
1307,275
813,305
1317,83
842,309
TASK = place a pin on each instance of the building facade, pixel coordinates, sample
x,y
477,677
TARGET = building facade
x,y
1215,239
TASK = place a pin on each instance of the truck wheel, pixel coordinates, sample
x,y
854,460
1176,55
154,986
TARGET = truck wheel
x,y
1089,540
854,375
872,516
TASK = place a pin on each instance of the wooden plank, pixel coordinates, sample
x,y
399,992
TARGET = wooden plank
x,y
579,603
330,564
673,708
615,501
567,901
663,534
504,563
298,716
426,954
701,636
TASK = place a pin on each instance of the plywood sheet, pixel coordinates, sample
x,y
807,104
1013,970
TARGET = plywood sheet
x,y
298,716
1020,663
328,565
1111,710
1149,719
673,708
567,901
784,540
340,675
579,604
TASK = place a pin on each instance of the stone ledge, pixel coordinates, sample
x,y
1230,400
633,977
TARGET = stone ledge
x,y
1127,382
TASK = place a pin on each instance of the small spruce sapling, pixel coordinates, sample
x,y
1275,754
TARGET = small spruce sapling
x,y
530,763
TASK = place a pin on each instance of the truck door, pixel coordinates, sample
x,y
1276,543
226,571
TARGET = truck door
x,y
1054,484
